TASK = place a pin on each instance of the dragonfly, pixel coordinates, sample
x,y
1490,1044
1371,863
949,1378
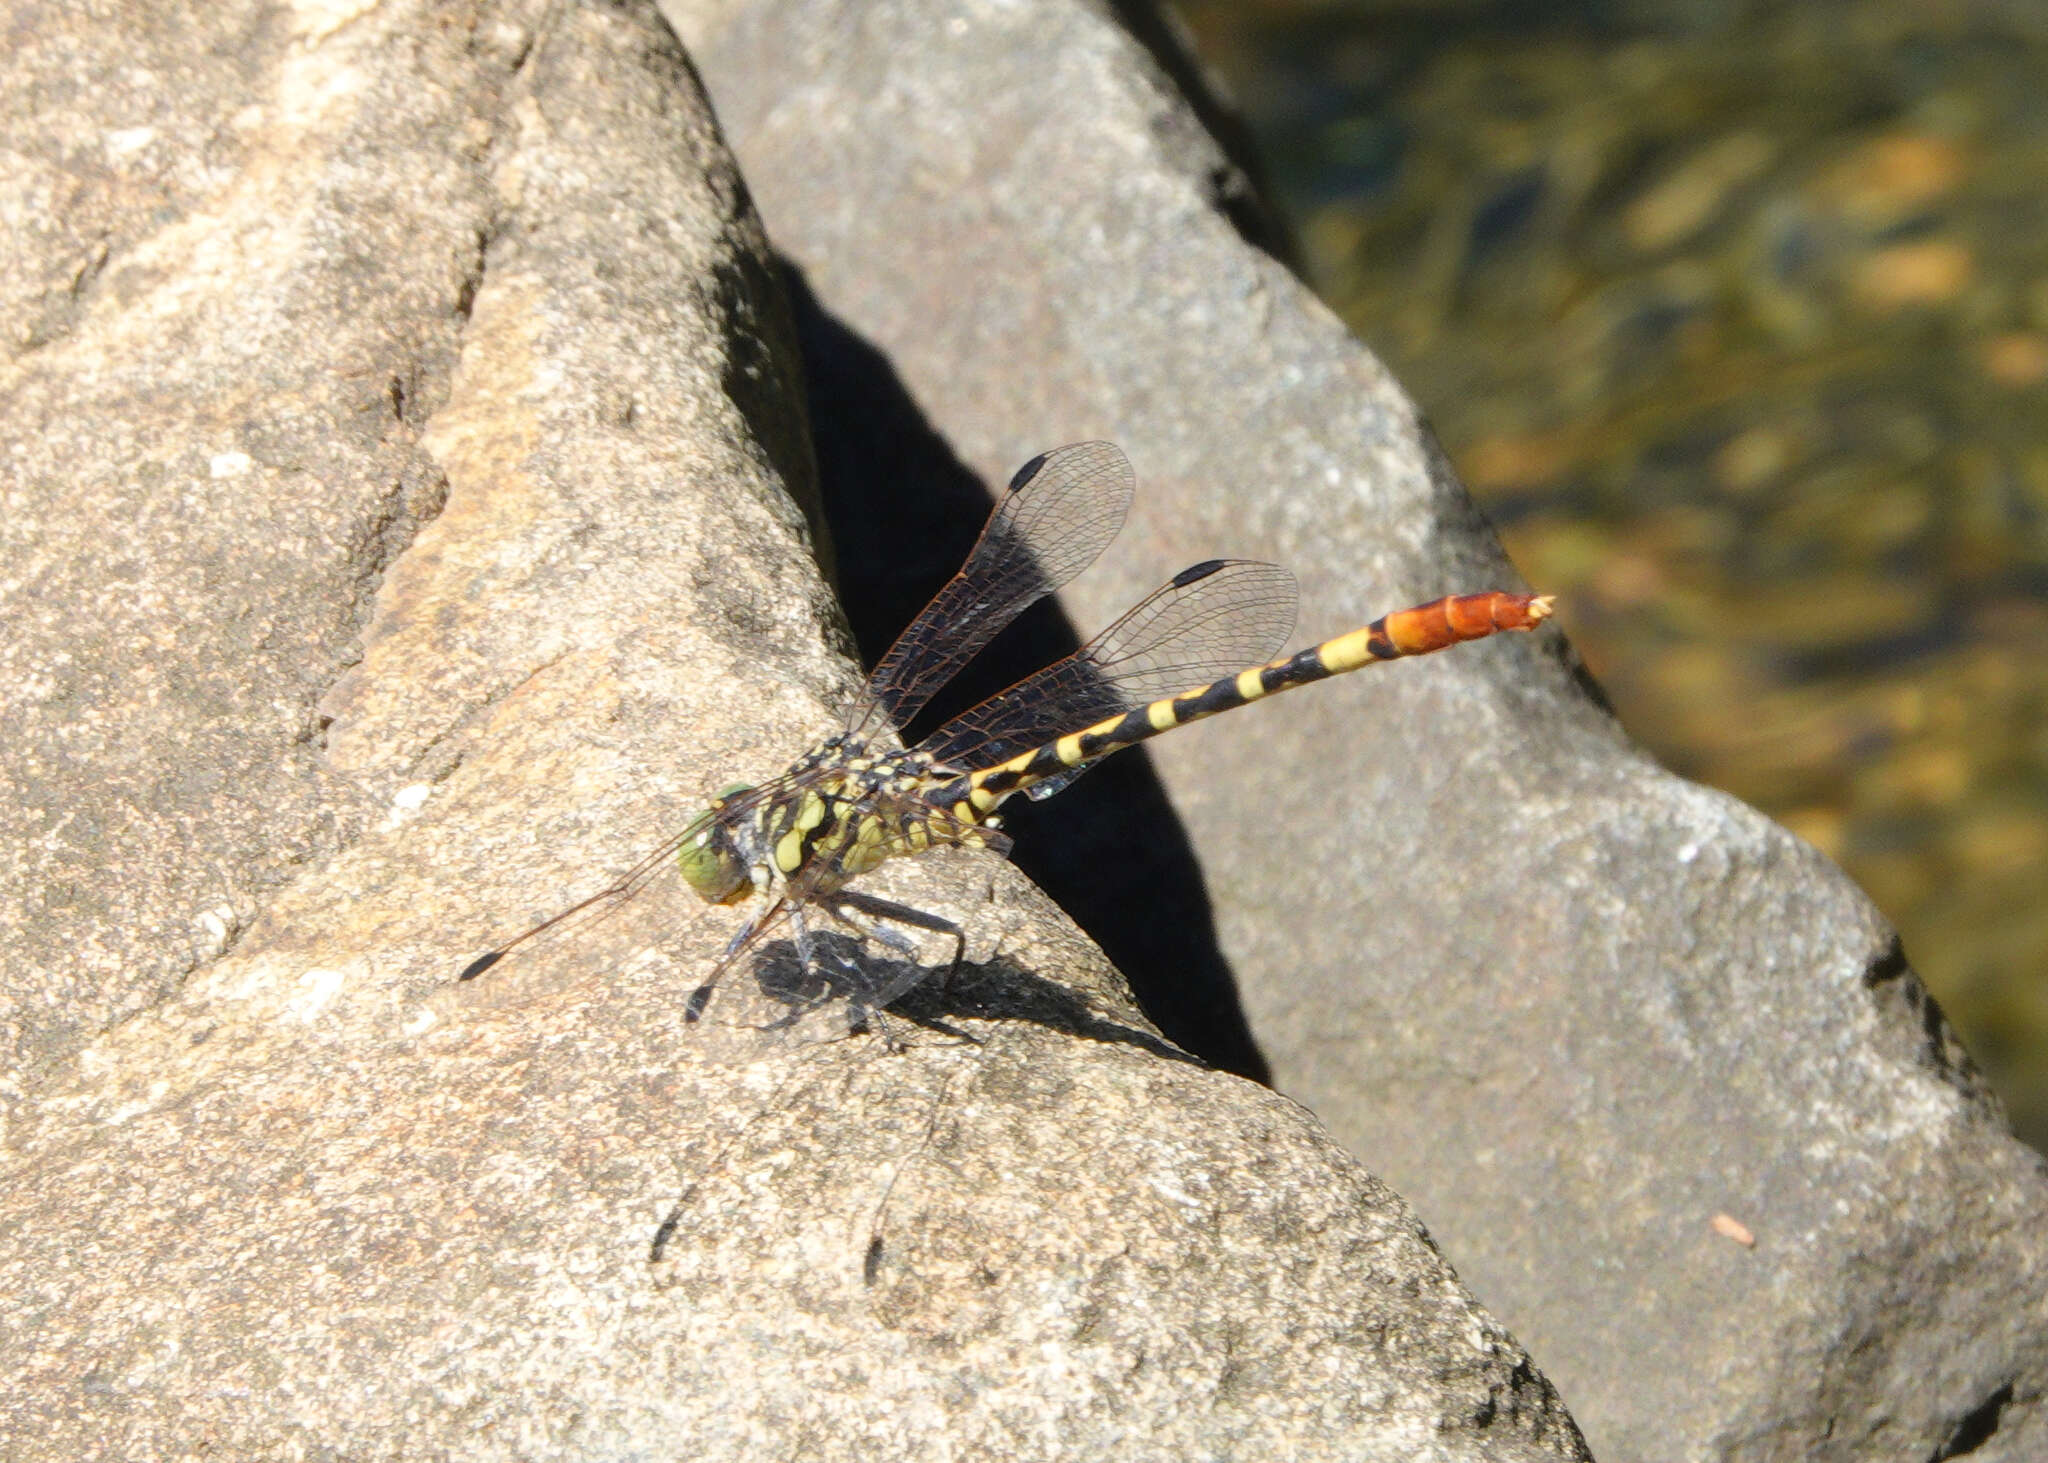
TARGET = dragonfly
x,y
1205,642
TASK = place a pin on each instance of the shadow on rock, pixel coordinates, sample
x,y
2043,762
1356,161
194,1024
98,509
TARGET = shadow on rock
x,y
848,989
903,513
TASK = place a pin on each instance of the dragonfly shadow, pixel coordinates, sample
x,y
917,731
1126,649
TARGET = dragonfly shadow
x,y
842,989
845,986
903,512
1002,990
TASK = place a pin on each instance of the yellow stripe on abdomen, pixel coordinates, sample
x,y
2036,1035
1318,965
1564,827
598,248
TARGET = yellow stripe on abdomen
x,y
1348,651
1415,631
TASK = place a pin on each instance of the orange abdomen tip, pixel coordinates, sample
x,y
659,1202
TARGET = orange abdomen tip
x,y
1471,616
1460,617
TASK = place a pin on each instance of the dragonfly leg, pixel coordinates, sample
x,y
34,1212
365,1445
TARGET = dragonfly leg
x,y
764,913
863,913
812,960
822,973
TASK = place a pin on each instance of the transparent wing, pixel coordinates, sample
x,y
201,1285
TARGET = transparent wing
x,y
1059,514
1207,622
645,906
563,928
653,917
929,827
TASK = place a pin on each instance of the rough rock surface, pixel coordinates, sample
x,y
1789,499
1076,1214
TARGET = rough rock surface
x,y
284,283
1580,1011
213,368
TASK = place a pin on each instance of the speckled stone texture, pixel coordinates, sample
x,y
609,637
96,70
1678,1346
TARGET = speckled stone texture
x,y
1571,1006
405,524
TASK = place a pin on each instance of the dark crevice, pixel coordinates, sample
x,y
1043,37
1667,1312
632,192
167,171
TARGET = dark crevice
x,y
763,372
1976,1427
514,61
473,274
63,308
903,511
414,499
1934,1044
664,1232
1240,189
88,273
418,493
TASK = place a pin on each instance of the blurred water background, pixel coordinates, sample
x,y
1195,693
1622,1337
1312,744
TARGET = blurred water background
x,y
1735,316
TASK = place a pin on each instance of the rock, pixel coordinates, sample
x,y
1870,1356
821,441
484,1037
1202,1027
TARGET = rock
x,y
426,392
1572,1006
211,461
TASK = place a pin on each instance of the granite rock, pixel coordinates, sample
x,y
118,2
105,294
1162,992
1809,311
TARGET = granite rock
x,y
1596,1022
407,524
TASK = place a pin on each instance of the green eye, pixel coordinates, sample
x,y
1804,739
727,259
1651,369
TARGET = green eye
x,y
710,863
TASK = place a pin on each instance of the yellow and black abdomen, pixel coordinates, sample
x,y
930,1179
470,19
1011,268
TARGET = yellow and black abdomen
x,y
1418,631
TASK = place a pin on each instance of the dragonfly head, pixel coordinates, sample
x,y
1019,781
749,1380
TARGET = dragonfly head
x,y
711,861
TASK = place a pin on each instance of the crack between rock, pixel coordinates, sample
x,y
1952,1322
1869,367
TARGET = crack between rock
x,y
1976,1427
1906,1001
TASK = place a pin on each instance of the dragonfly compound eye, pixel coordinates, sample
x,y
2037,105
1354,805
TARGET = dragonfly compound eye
x,y
711,863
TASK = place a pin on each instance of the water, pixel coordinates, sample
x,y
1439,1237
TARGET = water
x,y
1736,318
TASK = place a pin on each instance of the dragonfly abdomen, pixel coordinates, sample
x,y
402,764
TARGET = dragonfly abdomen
x,y
1437,625
1418,631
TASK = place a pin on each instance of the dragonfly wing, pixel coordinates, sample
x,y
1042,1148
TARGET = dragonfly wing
x,y
1045,787
1060,512
644,907
933,827
1207,622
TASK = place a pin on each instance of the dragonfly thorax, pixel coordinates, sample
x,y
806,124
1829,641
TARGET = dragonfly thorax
x,y
841,809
